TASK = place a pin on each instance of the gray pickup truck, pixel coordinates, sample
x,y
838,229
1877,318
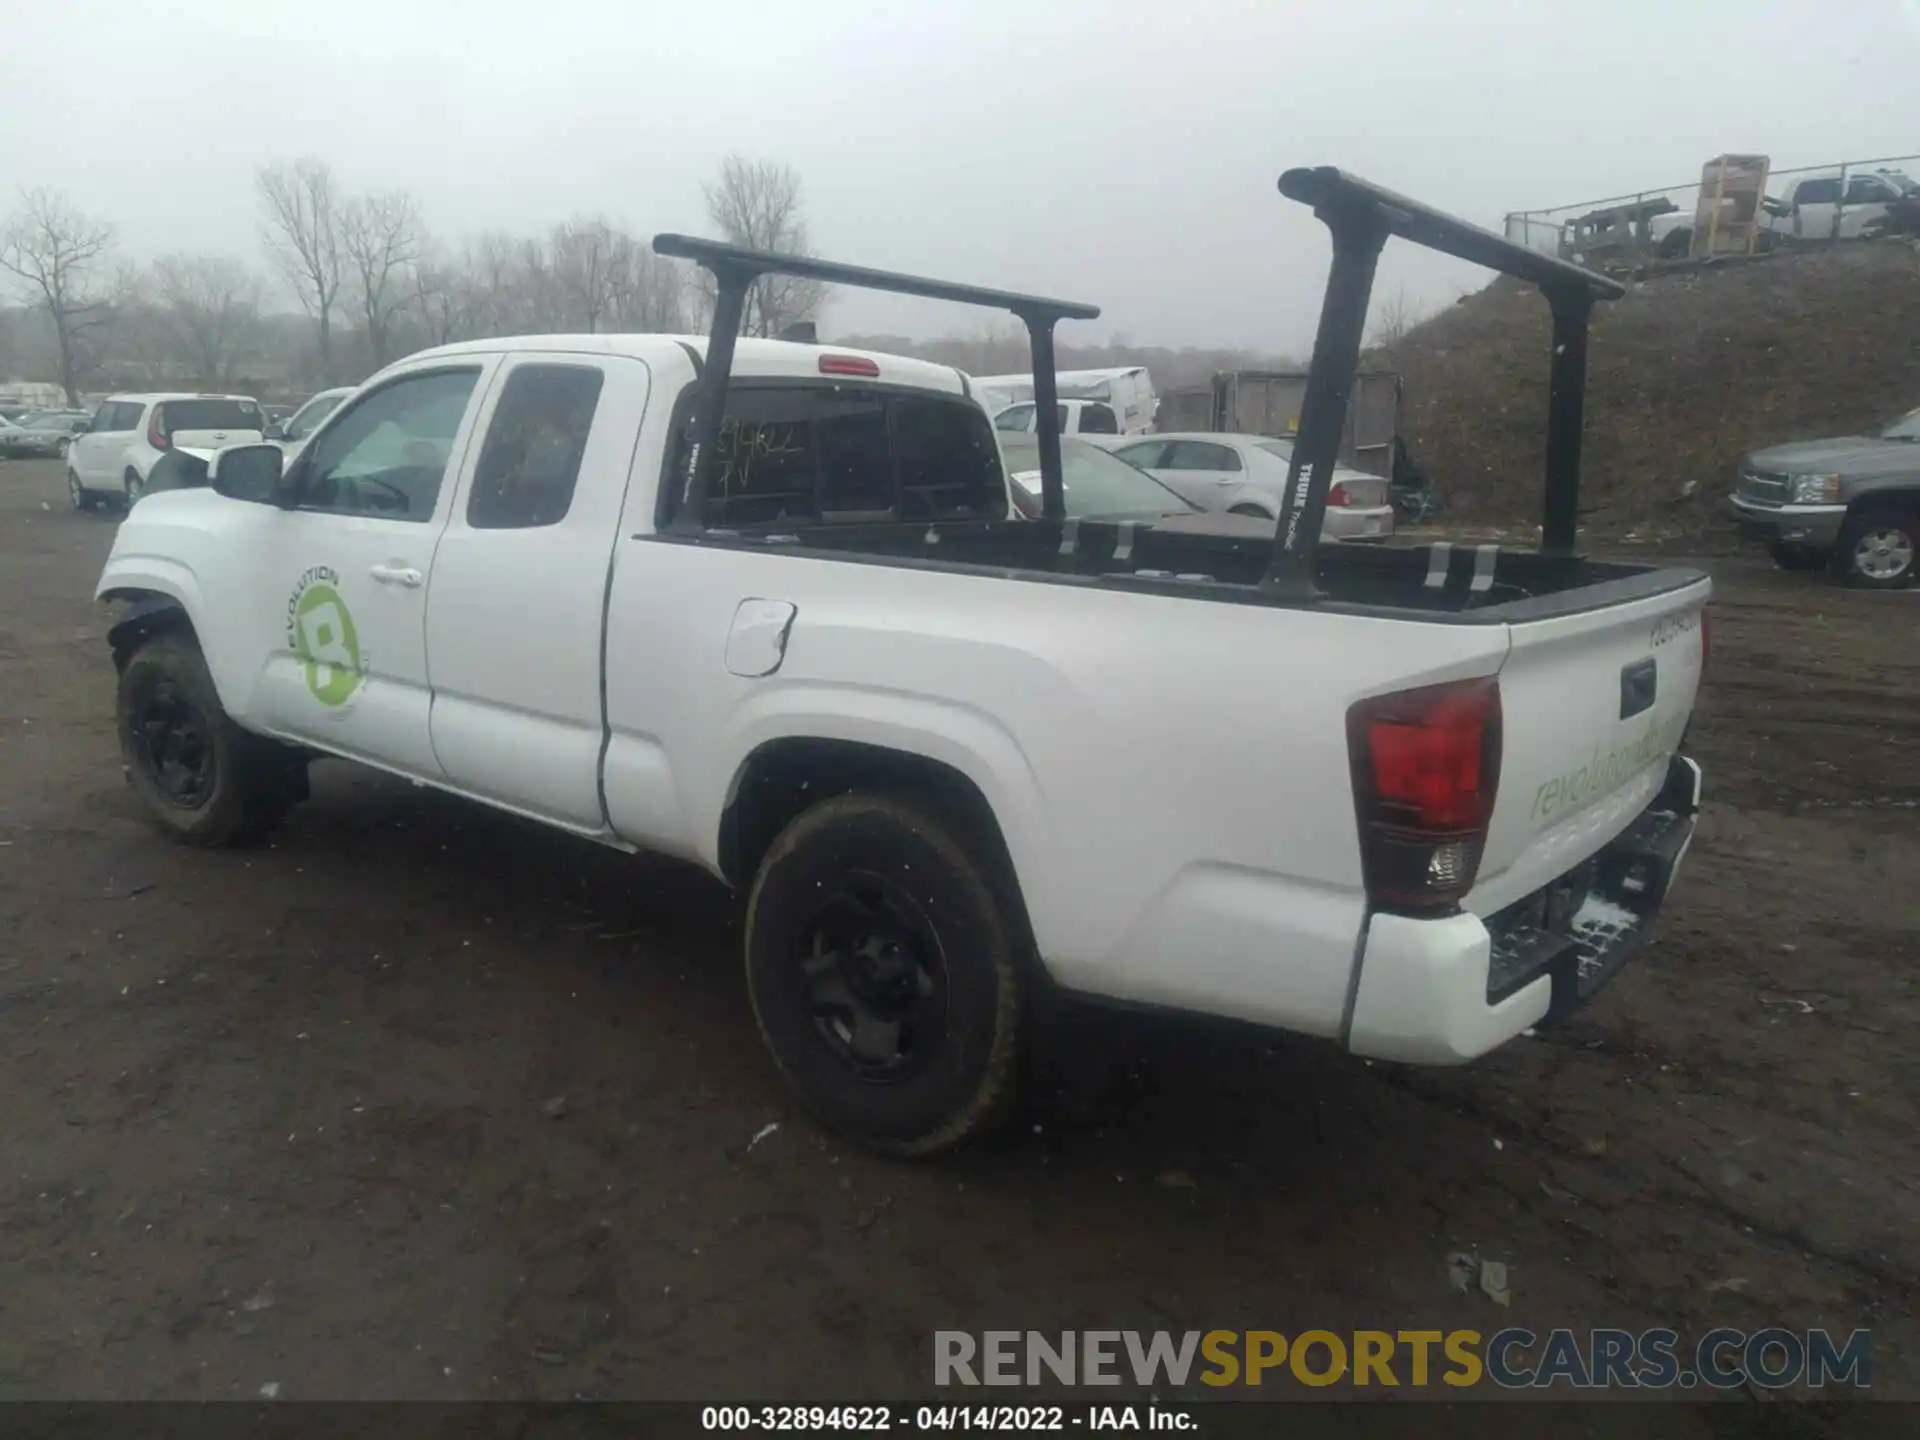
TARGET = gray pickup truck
x,y
1851,503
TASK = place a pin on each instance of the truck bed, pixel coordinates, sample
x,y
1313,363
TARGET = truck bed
x,y
1223,558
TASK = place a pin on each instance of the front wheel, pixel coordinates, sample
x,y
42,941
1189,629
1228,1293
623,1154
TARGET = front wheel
x,y
882,966
1877,550
135,487
77,493
204,780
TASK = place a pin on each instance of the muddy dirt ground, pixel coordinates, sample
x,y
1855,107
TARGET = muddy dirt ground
x,y
422,1101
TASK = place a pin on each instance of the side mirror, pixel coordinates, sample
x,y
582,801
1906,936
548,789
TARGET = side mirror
x,y
275,430
85,427
247,472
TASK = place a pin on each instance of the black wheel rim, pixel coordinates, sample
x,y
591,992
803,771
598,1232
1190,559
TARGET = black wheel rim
x,y
171,743
874,978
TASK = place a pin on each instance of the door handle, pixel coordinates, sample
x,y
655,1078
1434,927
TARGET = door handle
x,y
397,575
1225,480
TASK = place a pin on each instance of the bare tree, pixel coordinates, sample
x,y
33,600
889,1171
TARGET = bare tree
x,y
1394,316
758,204
653,293
54,248
590,261
380,240
301,225
209,306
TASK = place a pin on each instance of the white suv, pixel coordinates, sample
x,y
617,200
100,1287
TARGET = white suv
x,y
112,459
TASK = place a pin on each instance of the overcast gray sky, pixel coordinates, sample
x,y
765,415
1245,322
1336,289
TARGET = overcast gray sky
x,y
1120,151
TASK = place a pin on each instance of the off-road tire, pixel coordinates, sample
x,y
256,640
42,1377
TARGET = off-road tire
x,y
1860,530
967,1082
253,781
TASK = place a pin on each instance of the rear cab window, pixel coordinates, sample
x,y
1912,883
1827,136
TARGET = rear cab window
x,y
813,454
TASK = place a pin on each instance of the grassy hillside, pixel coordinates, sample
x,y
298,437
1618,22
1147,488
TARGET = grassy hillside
x,y
1685,374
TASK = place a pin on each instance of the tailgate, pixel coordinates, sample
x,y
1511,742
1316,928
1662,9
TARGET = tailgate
x,y
1592,707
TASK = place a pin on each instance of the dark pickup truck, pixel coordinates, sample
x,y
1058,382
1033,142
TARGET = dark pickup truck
x,y
1851,503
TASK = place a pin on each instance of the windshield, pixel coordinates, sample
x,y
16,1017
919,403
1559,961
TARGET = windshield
x,y
1097,482
1907,427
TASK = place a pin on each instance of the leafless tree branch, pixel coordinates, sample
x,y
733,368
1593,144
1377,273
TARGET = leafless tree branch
x,y
301,223
758,204
53,248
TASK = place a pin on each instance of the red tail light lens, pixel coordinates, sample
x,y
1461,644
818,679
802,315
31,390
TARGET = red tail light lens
x,y
849,365
1338,496
156,428
1426,768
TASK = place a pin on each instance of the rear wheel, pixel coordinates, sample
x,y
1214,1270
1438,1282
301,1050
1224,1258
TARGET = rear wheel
x,y
1250,510
1877,549
882,967
204,780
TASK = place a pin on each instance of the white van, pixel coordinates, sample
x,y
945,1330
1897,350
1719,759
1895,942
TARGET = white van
x,y
1125,393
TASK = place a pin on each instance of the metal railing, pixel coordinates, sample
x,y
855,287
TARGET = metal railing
x,y
1638,242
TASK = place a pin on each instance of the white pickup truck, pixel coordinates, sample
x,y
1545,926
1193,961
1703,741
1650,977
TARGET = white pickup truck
x,y
765,606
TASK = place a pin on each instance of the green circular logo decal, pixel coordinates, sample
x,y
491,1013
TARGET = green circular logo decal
x,y
325,641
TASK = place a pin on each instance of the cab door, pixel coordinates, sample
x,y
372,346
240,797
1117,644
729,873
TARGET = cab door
x,y
346,568
517,602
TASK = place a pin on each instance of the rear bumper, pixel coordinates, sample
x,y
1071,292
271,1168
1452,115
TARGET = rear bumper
x,y
1444,991
1373,523
1815,526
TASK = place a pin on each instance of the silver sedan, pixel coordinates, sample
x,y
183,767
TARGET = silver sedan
x,y
1247,475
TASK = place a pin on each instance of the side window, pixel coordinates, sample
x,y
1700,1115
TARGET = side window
x,y
1147,457
531,458
1198,455
388,455
1099,420
103,417
1869,190
949,464
1014,417
1817,192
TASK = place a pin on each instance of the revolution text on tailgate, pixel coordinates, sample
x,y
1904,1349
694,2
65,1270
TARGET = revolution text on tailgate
x,y
768,607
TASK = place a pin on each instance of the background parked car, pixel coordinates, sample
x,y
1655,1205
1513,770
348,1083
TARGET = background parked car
x,y
1077,417
1247,474
130,432
1852,502
291,433
1098,484
43,435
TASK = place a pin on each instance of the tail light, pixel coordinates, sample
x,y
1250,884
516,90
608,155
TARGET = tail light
x,y
849,365
1426,767
1338,496
156,428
